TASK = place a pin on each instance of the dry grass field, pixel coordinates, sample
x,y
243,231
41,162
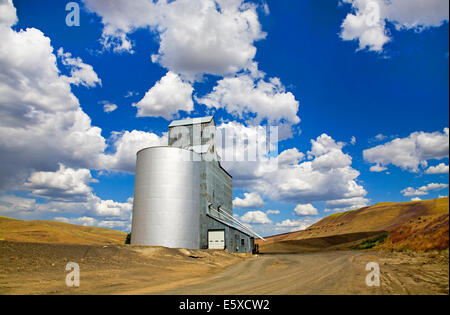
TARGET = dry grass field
x,y
415,225
52,232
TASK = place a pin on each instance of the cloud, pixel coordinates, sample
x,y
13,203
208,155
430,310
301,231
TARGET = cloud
x,y
290,157
94,207
424,190
80,73
293,225
38,107
346,204
204,37
305,210
273,211
166,98
126,144
255,217
284,226
321,179
116,40
195,38
110,208
108,107
377,168
411,152
131,94
326,175
214,37
11,204
442,168
47,143
89,221
353,140
365,26
254,100
415,199
8,15
266,8
64,184
367,22
83,221
68,190
250,201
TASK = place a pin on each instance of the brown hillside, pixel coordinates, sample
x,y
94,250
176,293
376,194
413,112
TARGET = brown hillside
x,y
419,225
56,233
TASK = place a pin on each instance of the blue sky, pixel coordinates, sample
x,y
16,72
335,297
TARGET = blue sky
x,y
320,63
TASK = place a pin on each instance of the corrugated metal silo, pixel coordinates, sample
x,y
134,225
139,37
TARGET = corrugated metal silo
x,y
166,204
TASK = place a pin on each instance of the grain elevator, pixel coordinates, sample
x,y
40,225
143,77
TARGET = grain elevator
x,y
183,196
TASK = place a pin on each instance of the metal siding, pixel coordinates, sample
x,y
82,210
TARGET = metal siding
x,y
216,189
214,179
166,205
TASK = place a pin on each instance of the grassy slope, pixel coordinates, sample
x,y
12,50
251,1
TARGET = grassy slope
x,y
56,232
419,225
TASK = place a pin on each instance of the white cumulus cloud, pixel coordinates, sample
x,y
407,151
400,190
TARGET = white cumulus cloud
x,y
126,144
108,107
250,201
255,217
367,21
38,107
339,205
64,184
80,72
442,168
195,37
326,175
166,98
411,152
244,97
423,190
305,209
289,225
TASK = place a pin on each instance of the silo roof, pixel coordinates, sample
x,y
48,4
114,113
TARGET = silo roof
x,y
191,121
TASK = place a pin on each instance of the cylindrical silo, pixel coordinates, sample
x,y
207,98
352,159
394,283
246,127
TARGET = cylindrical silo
x,y
166,207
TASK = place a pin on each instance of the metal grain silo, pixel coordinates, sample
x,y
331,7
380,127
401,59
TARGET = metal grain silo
x,y
166,205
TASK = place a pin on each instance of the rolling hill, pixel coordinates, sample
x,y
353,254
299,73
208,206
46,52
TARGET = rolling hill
x,y
417,225
53,232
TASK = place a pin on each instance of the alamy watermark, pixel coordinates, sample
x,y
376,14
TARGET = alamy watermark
x,y
373,277
73,277
249,144
73,17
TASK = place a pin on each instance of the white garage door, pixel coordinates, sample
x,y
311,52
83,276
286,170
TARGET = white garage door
x,y
216,239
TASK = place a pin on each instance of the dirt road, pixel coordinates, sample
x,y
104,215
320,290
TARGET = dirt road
x,y
27,268
335,272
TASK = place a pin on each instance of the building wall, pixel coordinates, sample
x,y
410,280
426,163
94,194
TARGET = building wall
x,y
216,189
